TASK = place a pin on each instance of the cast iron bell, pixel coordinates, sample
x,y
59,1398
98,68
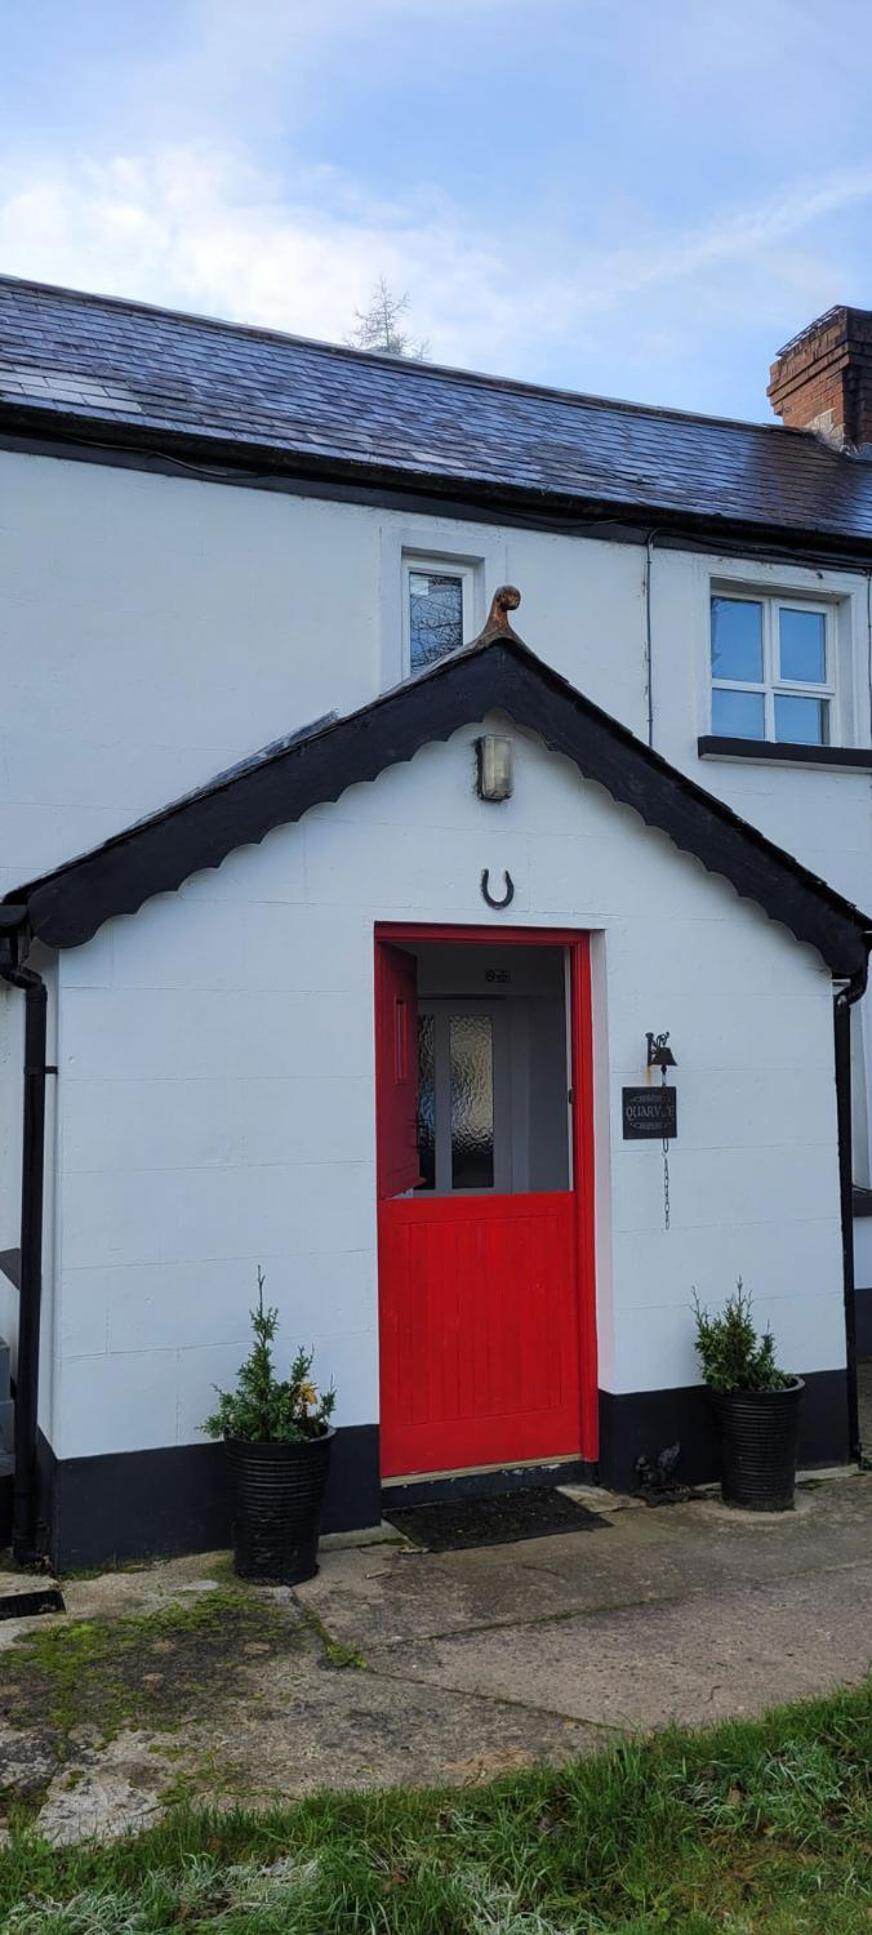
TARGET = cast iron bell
x,y
659,1052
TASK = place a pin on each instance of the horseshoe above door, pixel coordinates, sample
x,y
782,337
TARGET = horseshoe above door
x,y
508,895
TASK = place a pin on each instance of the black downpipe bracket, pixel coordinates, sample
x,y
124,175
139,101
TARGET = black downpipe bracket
x,y
844,1001
24,1510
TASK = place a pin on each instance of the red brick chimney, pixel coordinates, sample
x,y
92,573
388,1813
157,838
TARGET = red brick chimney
x,y
822,380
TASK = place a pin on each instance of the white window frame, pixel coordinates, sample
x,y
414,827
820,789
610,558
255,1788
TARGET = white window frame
x,y
772,685
432,564
474,549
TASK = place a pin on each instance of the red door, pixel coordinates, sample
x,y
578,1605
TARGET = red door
x,y
487,1333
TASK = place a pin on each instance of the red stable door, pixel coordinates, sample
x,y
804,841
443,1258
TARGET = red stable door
x,y
486,1283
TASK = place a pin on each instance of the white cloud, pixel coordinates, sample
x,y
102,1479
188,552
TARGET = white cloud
x,y
201,227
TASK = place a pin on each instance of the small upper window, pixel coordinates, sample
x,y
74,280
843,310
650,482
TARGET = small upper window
x,y
437,600
772,670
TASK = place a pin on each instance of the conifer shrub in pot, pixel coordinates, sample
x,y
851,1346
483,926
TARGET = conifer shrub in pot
x,y
277,1444
756,1406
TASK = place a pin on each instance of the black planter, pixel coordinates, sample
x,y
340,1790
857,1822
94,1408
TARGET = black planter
x,y
276,1493
759,1434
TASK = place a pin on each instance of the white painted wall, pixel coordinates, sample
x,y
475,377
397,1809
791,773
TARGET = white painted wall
x,y
216,1097
154,629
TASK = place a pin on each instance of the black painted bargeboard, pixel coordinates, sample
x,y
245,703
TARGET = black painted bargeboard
x,y
156,855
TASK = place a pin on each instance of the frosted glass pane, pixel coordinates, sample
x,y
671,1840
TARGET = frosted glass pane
x,y
738,715
435,615
737,640
803,646
472,1102
427,1101
803,722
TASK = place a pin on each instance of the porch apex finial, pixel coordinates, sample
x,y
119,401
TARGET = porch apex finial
x,y
507,598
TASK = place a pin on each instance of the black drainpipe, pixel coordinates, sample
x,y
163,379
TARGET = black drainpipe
x,y
24,1510
844,1001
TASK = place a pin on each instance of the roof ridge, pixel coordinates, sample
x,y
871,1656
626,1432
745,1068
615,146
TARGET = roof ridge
x,y
583,399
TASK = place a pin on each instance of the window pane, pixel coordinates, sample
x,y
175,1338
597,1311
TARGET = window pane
x,y
435,615
427,1101
472,1102
738,715
803,645
805,722
737,639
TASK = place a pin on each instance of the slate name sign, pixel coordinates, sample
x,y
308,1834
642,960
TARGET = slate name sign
x,y
649,1112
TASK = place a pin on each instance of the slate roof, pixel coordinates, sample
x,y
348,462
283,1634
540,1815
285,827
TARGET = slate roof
x,y
153,378
275,787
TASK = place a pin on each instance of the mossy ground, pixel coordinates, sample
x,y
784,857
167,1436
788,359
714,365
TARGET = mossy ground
x,y
145,1669
156,1670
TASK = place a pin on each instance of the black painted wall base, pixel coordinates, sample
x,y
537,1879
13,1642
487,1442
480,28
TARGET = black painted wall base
x,y
648,1421
150,1504
863,1319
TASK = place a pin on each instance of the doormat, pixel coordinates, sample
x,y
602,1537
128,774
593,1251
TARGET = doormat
x,y
531,1512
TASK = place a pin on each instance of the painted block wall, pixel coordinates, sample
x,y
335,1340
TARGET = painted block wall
x,y
216,1096
155,629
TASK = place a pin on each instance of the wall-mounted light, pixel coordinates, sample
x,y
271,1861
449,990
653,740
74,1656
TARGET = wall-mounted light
x,y
494,757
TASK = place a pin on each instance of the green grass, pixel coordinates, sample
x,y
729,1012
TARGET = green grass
x,y
754,1828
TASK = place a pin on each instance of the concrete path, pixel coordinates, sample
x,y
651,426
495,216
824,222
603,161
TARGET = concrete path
x,y
686,1614
400,1666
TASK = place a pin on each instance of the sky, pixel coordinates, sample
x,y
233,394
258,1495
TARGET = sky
x,y
637,198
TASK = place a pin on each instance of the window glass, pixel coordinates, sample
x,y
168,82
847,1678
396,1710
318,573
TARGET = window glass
x,y
737,639
805,722
803,637
427,1101
472,1101
435,615
738,715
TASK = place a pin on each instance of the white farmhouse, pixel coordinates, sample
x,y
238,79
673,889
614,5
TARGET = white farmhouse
x,y
343,901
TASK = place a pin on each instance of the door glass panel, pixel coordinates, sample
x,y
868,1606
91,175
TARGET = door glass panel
x,y
472,1101
427,1100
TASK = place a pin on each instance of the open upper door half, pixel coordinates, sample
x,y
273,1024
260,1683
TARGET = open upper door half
x,y
397,1049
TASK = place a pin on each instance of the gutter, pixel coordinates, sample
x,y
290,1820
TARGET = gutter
x,y
215,458
24,1510
845,999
